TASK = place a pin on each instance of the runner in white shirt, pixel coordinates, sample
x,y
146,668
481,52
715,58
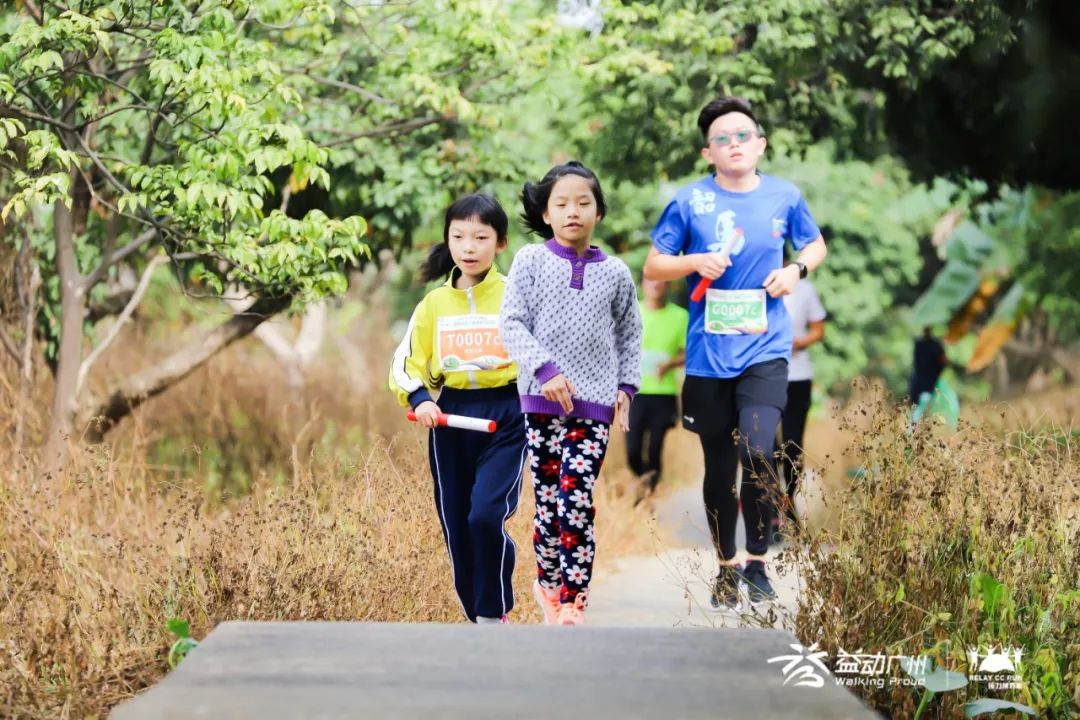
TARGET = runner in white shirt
x,y
807,327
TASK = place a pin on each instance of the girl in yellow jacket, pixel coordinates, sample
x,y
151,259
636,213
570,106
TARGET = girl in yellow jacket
x,y
453,348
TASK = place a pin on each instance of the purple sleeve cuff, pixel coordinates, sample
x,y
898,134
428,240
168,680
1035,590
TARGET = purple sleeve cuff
x,y
630,390
546,371
418,396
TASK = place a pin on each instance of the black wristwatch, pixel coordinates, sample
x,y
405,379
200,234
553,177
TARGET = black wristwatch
x,y
803,270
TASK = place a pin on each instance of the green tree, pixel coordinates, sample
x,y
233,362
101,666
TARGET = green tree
x,y
138,131
420,102
134,131
816,71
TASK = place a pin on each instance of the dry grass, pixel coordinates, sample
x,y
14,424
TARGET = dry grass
x,y
234,496
951,541
222,500
943,542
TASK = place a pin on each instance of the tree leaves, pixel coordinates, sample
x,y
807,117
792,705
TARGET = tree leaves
x,y
172,118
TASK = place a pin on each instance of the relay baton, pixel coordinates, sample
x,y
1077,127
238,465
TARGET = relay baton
x,y
704,283
461,421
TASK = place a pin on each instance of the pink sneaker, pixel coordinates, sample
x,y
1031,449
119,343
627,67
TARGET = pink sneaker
x,y
548,600
573,613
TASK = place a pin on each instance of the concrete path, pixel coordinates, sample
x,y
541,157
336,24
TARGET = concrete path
x,y
670,587
649,651
312,670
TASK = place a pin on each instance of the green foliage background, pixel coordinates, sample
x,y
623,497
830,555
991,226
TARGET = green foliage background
x,y
198,120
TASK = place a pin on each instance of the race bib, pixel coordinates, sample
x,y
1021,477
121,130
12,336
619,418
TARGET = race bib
x,y
470,342
735,312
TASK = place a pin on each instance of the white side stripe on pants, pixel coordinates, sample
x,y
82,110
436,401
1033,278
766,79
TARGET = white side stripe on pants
x,y
516,487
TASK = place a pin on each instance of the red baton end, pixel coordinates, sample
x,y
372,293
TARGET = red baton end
x,y
699,291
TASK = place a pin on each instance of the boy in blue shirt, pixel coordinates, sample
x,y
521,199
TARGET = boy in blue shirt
x,y
728,230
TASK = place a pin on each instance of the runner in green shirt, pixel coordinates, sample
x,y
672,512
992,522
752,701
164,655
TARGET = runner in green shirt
x,y
654,410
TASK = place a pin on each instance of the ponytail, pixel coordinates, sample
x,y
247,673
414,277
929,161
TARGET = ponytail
x,y
534,199
438,264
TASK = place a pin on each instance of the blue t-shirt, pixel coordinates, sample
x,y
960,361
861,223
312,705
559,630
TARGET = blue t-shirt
x,y
700,218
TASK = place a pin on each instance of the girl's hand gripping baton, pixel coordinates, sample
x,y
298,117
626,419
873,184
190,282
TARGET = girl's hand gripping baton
x,y
461,421
725,252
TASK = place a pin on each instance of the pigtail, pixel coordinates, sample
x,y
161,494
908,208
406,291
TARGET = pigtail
x,y
484,208
534,199
438,264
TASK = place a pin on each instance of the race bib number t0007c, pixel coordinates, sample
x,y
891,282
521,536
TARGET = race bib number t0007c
x,y
470,342
735,312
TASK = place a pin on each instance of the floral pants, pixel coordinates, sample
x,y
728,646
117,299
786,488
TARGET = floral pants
x,y
566,455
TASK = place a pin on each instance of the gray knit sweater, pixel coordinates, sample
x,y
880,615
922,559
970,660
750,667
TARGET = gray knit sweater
x,y
575,316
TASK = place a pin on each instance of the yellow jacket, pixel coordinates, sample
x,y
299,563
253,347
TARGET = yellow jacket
x,y
453,340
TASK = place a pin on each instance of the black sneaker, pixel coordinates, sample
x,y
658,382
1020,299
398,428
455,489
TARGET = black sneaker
x,y
757,582
725,592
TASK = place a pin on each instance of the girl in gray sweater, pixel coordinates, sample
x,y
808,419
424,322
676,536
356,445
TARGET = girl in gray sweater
x,y
570,320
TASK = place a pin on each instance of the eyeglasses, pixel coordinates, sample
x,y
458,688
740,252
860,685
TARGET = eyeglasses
x,y
742,136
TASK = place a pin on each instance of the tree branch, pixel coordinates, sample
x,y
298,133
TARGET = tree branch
x,y
34,11
382,130
30,115
151,138
111,259
275,342
112,231
96,159
125,315
114,111
1025,350
109,80
134,391
353,88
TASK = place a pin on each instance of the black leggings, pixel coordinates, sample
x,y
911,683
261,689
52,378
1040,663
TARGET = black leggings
x,y
653,415
754,448
791,437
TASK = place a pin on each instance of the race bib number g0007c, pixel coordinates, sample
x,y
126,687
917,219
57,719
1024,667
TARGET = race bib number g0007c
x,y
470,342
735,312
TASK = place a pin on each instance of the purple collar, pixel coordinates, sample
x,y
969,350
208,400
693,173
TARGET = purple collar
x,y
593,254
577,264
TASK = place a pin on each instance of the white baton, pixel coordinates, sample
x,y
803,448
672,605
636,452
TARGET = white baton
x,y
461,421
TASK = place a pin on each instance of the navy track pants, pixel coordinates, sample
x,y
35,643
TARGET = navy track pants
x,y
477,486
